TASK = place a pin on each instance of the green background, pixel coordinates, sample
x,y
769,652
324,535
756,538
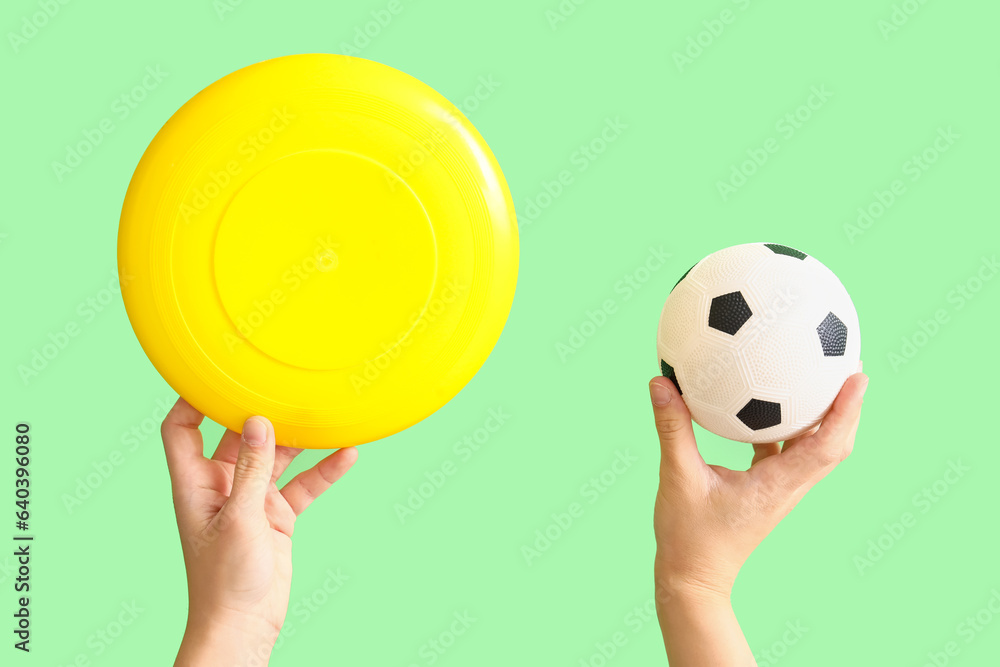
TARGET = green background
x,y
655,186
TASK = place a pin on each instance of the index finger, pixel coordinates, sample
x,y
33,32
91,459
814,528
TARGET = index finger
x,y
182,440
816,455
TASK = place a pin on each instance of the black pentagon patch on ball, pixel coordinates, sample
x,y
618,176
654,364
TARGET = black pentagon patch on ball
x,y
759,414
785,250
729,312
668,372
681,278
832,336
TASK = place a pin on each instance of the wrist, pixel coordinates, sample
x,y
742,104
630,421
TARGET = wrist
x,y
689,587
220,639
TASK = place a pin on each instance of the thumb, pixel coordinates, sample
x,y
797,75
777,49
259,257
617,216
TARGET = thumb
x,y
678,449
254,464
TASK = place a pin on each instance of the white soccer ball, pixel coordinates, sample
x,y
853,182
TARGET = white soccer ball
x,y
759,338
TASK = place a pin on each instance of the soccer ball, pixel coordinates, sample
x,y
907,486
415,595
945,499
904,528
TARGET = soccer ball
x,y
759,339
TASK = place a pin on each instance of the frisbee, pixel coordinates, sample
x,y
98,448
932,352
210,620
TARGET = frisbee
x,y
322,240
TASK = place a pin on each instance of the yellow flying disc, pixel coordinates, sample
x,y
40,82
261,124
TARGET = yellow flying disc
x,y
322,240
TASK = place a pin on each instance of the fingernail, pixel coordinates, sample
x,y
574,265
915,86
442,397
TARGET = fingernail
x,y
864,387
659,393
254,432
861,366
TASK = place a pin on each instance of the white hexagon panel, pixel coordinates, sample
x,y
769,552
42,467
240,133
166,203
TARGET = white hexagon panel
x,y
759,339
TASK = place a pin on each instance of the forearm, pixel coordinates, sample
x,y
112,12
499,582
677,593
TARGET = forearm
x,y
699,627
